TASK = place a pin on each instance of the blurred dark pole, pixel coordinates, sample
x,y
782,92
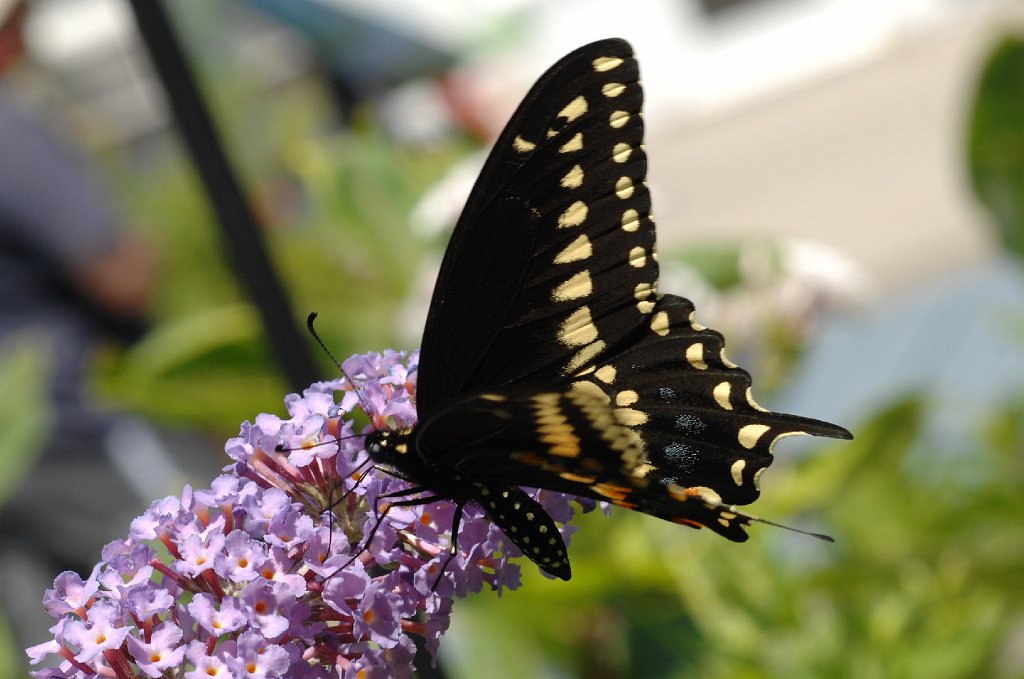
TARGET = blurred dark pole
x,y
242,235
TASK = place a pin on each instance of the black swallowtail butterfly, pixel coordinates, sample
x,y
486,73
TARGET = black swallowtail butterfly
x,y
550,359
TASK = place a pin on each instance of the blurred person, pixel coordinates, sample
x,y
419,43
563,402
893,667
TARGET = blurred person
x,y
73,277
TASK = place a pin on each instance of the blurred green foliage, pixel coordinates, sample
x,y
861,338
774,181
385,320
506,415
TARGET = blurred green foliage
x,y
23,424
996,141
336,207
923,580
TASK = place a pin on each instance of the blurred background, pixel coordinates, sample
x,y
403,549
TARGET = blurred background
x,y
839,187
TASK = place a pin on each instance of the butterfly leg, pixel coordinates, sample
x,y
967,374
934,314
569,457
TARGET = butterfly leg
x,y
381,515
453,549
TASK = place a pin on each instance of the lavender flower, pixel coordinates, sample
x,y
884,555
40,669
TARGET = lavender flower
x,y
263,574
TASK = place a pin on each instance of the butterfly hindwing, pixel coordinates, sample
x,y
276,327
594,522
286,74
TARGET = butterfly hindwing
x,y
693,408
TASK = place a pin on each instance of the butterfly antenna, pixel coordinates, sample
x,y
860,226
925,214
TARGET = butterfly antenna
x,y
383,514
312,331
348,378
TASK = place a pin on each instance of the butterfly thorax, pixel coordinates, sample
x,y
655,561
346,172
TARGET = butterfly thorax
x,y
397,450
520,517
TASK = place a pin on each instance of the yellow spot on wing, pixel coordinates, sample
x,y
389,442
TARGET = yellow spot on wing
x,y
612,90
695,355
621,152
574,144
574,215
575,251
694,325
630,417
626,398
624,187
643,290
659,323
573,179
722,392
569,476
574,109
578,329
576,287
750,434
757,478
630,220
700,492
605,64
618,119
637,257
606,374
523,146
591,390
611,492
585,355
737,471
553,427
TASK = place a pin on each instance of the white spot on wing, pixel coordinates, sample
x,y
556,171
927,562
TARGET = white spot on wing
x,y
722,392
750,434
737,471
695,355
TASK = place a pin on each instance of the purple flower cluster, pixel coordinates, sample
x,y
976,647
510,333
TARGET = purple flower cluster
x,y
265,574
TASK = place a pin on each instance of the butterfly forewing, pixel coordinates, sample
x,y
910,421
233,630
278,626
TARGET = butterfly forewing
x,y
558,225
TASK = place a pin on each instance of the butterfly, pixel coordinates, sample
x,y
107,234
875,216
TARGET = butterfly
x,y
549,357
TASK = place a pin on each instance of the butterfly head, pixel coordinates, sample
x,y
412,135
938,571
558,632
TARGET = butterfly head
x,y
389,447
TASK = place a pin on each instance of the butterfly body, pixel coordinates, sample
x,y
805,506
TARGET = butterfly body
x,y
549,357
